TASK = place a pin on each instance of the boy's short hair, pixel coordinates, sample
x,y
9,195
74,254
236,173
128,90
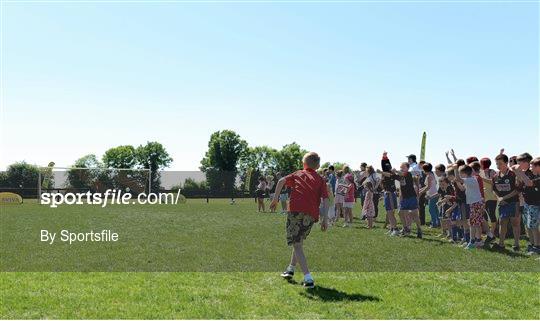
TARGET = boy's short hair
x,y
312,160
331,167
536,161
476,166
466,169
471,159
513,160
485,162
427,167
406,164
502,157
525,157
440,168
363,165
339,173
460,162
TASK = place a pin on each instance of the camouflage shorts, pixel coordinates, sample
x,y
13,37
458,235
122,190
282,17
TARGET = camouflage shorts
x,y
298,226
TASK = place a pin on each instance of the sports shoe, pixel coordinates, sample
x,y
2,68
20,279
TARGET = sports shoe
x,y
515,248
531,251
479,244
395,233
287,274
489,239
308,284
470,246
419,234
405,232
497,247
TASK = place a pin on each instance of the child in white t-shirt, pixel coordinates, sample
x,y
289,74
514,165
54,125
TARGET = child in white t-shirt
x,y
466,182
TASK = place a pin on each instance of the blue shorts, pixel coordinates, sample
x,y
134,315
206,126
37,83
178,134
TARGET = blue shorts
x,y
456,214
508,210
390,201
408,204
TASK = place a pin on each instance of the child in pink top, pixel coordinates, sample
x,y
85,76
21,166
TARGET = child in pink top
x,y
349,200
368,210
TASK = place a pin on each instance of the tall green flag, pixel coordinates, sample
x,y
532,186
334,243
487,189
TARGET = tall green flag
x,y
423,148
247,183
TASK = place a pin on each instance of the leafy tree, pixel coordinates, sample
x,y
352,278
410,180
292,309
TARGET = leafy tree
x,y
337,165
153,156
120,157
289,158
220,162
259,158
255,162
94,177
191,188
21,175
88,161
124,157
224,150
4,179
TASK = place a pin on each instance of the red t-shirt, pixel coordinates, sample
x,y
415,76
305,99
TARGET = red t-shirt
x,y
307,189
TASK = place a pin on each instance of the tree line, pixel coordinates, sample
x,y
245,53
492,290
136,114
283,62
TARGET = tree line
x,y
229,164
152,156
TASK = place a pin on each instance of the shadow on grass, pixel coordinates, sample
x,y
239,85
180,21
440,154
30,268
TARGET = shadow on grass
x,y
333,295
504,251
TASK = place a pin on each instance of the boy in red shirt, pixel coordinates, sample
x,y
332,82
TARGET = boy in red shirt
x,y
307,190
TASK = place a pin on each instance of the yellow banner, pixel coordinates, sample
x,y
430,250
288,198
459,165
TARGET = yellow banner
x,y
423,148
10,198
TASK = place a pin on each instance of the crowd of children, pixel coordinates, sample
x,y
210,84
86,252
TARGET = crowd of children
x,y
466,199
463,198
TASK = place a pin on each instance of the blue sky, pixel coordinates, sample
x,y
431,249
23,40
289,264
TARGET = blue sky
x,y
347,80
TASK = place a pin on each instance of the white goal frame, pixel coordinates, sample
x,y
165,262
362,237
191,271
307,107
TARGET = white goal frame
x,y
39,183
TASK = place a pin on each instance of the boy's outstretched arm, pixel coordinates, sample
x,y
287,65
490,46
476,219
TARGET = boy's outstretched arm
x,y
519,173
279,187
448,158
453,155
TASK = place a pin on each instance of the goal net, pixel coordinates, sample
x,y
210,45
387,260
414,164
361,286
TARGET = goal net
x,y
95,180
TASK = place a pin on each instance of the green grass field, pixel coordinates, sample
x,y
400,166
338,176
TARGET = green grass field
x,y
224,262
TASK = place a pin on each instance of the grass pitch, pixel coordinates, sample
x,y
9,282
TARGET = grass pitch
x,y
359,273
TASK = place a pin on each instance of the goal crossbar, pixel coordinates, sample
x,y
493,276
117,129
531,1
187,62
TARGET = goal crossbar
x,y
92,168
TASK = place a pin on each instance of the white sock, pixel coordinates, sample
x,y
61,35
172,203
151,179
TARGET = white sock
x,y
290,268
308,277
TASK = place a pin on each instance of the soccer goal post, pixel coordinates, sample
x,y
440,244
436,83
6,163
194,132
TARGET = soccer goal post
x,y
95,180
